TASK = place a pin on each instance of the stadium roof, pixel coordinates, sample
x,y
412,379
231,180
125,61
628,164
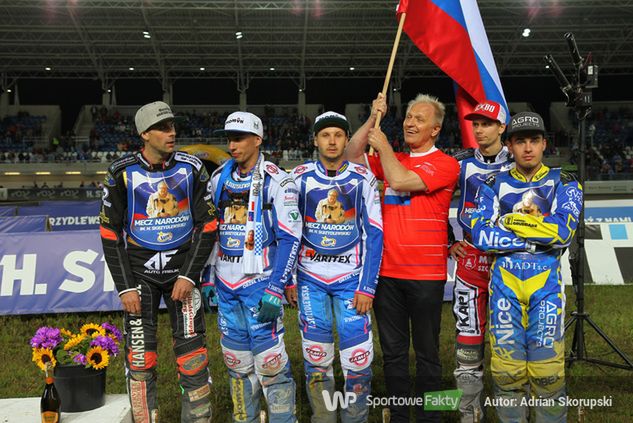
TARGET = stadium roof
x,y
299,39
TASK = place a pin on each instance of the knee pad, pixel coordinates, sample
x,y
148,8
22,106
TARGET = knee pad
x,y
469,356
509,374
193,363
238,361
317,354
142,375
141,361
272,361
469,373
357,357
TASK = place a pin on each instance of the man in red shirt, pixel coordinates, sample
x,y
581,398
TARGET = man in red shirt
x,y
418,190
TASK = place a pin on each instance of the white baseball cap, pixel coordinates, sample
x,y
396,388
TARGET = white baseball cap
x,y
150,114
243,122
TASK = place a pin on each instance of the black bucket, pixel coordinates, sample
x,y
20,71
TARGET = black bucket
x,y
80,389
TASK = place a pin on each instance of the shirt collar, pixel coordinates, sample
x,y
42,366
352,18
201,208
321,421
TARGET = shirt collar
x,y
340,170
426,153
540,174
163,165
502,156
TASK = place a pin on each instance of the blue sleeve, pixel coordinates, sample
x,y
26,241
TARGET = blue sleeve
x,y
287,233
557,229
372,241
486,234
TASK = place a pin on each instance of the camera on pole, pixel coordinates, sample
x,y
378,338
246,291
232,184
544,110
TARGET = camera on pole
x,y
579,98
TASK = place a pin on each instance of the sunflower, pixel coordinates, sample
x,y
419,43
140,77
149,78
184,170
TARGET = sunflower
x,y
97,357
74,341
93,330
41,356
66,333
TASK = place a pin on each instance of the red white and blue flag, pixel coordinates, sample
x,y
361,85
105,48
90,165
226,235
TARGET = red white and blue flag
x,y
452,34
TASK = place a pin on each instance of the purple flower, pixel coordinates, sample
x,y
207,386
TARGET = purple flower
x,y
80,359
111,329
106,343
46,337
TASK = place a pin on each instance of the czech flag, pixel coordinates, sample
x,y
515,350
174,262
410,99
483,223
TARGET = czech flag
x,y
452,34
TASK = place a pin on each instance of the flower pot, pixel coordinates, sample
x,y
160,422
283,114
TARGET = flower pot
x,y
80,389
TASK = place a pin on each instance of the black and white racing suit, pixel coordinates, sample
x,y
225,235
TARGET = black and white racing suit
x,y
148,254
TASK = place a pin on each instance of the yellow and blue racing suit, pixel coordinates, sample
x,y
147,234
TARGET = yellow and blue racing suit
x,y
527,224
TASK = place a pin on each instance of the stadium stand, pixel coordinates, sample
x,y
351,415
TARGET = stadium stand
x,y
104,134
18,131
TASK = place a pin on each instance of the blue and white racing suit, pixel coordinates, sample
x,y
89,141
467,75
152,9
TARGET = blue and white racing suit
x,y
254,352
340,256
470,293
527,224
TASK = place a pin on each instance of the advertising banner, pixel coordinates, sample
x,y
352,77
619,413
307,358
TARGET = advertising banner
x,y
15,224
66,215
7,210
38,194
50,272
56,272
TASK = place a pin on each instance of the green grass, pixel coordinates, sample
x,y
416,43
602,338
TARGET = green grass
x,y
609,307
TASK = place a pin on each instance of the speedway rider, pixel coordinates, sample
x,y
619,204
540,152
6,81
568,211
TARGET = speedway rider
x,y
337,269
470,293
253,264
154,257
527,216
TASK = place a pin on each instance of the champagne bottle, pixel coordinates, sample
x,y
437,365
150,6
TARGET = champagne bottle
x,y
50,402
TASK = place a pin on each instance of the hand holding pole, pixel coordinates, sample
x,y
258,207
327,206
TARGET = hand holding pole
x,y
392,60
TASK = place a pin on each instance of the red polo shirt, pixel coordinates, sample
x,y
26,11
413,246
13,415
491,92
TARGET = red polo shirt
x,y
415,223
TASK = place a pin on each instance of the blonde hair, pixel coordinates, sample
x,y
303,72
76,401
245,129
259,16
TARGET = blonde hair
x,y
440,109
